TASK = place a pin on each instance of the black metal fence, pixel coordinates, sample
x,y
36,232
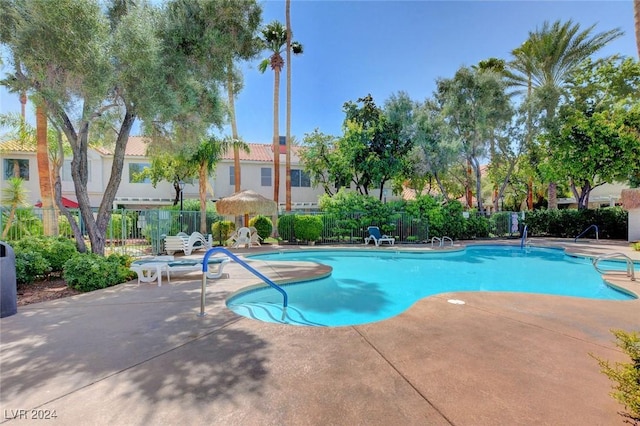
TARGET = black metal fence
x,y
141,232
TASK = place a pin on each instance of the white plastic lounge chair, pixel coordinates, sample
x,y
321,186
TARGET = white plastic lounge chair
x,y
377,237
255,238
242,237
192,265
150,270
186,243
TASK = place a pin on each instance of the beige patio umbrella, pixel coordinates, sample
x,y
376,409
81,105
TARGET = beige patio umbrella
x,y
245,203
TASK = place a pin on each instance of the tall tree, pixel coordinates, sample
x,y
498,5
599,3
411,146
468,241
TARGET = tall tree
x,y
476,107
49,214
274,37
547,59
287,167
636,13
597,139
374,145
241,20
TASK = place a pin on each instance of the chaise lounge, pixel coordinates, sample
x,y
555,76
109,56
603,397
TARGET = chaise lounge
x,y
377,237
186,243
150,270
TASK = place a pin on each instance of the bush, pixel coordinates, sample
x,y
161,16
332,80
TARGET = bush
x,y
263,226
88,272
307,227
30,265
476,227
612,222
222,230
626,375
285,227
56,250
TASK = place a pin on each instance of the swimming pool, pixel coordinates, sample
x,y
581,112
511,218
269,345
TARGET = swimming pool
x,y
370,285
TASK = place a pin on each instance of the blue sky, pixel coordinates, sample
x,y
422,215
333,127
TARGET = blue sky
x,y
352,48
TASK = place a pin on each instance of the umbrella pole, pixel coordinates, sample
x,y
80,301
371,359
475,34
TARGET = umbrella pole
x,y
246,220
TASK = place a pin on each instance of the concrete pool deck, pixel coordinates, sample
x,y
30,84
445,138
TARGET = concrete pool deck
x,y
140,354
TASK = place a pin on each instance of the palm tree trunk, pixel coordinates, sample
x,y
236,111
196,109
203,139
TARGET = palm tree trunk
x,y
636,10
234,128
44,175
237,176
288,153
276,138
202,192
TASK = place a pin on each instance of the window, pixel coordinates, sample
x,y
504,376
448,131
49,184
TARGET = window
x,y
265,176
232,175
16,168
300,178
66,171
134,173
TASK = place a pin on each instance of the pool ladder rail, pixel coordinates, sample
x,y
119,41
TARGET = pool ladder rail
x,y
630,265
523,240
205,265
590,227
441,241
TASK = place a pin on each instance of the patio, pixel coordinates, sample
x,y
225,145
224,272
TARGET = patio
x,y
139,354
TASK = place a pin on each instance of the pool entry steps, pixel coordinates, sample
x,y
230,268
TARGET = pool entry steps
x,y
630,268
211,251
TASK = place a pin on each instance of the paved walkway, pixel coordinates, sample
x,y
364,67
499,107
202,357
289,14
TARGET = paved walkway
x,y
140,354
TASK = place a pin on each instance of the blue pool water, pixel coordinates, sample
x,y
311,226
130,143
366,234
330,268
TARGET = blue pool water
x,y
368,286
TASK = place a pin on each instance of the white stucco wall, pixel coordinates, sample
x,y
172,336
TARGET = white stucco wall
x,y
634,224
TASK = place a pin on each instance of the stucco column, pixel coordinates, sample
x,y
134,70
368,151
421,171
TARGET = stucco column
x,y
630,199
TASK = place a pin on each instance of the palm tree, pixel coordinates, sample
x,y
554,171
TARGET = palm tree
x,y
44,171
546,60
636,12
241,19
14,195
274,37
209,152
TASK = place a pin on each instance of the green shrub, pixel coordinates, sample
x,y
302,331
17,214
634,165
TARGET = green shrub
x,y
476,227
626,375
307,227
636,246
263,226
30,265
453,226
88,272
285,227
222,230
56,250
612,222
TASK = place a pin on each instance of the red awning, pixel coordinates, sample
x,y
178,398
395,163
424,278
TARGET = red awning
x,y
70,204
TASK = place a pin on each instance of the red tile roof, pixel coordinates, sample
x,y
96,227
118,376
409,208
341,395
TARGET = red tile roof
x,y
137,147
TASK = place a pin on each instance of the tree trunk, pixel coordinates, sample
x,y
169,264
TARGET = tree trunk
x,y
44,175
636,10
202,192
480,201
96,226
552,196
234,129
276,138
288,124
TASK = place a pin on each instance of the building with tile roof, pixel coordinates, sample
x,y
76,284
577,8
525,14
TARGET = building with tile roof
x,y
256,173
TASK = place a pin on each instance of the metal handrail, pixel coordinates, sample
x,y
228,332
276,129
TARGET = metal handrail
x,y
585,231
524,236
630,265
205,266
441,241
